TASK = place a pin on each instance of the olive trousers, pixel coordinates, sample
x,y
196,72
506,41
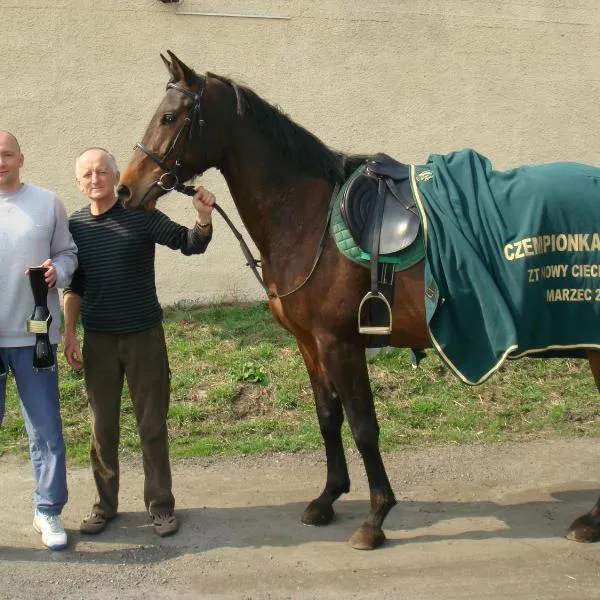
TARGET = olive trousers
x,y
140,358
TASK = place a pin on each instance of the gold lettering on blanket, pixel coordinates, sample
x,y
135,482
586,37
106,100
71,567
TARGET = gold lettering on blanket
x,y
547,272
579,271
571,276
574,280
555,242
572,295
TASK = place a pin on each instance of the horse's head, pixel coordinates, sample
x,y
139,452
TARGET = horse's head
x,y
178,143
209,121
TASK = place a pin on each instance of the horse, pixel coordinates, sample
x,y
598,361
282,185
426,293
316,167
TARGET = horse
x,y
282,178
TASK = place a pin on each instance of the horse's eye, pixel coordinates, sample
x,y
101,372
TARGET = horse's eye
x,y
169,118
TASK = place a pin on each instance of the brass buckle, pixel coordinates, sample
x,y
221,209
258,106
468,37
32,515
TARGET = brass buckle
x,y
38,326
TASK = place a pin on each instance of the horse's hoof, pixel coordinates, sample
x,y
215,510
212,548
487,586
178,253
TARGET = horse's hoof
x,y
584,529
317,513
367,537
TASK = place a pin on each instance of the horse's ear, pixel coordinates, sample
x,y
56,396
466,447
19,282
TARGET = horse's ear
x,y
166,61
180,71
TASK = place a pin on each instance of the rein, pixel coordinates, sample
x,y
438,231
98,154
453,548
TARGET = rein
x,y
254,263
194,123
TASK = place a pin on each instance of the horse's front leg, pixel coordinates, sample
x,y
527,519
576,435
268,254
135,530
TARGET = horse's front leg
x,y
346,366
330,415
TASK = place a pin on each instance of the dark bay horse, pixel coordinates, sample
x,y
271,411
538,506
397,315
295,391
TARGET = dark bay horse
x,y
281,178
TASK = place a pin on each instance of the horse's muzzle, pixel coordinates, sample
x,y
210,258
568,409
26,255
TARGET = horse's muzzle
x,y
124,194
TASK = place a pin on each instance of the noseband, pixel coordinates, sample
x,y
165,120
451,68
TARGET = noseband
x,y
193,123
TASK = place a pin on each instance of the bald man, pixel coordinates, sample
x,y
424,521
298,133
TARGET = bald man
x,y
34,232
114,289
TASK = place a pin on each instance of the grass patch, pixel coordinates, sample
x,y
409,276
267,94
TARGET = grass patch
x,y
239,386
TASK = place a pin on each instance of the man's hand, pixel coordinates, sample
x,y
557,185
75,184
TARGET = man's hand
x,y
204,202
50,275
72,352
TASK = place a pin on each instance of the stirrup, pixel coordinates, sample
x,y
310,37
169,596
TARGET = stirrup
x,y
375,329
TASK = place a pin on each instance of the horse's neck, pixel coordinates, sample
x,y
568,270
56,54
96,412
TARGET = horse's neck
x,y
279,208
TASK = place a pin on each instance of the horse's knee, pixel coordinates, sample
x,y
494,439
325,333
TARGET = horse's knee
x,y
366,436
331,419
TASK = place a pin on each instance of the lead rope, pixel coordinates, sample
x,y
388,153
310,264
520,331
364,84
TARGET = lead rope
x,y
252,262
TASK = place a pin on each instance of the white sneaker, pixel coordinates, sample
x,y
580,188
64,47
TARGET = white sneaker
x,y
53,533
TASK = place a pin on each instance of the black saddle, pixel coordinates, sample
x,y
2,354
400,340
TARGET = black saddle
x,y
360,208
379,210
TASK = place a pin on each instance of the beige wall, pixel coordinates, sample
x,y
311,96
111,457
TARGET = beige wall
x,y
518,81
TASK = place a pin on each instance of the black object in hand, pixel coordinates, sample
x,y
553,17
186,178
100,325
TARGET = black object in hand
x,y
39,323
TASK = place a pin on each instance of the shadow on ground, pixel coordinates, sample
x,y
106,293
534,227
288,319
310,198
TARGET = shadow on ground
x,y
129,537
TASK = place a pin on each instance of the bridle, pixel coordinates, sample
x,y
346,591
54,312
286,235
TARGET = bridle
x,y
194,123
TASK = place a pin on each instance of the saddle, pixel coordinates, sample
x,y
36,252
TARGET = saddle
x,y
380,212
359,206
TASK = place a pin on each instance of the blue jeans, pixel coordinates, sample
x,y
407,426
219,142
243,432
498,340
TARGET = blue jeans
x,y
41,411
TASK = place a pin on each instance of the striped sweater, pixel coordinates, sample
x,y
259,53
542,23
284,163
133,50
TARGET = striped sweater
x,y
116,277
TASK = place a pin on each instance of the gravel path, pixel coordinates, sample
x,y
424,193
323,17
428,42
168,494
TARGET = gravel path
x,y
472,522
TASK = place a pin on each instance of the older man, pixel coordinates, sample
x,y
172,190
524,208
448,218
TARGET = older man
x,y
114,289
34,232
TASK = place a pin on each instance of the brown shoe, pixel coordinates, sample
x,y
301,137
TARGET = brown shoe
x,y
165,524
95,523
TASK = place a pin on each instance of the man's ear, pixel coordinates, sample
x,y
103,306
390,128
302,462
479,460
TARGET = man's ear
x,y
21,160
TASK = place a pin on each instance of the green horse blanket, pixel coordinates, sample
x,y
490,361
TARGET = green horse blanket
x,y
512,260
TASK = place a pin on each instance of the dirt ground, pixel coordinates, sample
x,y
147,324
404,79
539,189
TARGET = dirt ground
x,y
472,522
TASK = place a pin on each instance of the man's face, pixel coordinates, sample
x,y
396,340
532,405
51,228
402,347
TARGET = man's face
x,y
95,176
11,161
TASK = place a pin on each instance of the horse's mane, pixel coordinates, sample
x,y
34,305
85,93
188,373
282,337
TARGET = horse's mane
x,y
290,139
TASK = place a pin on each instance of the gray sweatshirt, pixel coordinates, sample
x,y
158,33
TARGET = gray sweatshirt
x,y
33,228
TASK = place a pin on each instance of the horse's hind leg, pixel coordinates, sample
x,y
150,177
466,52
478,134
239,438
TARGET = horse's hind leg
x,y
330,415
587,527
346,367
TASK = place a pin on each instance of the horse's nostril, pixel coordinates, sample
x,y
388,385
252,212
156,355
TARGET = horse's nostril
x,y
123,193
